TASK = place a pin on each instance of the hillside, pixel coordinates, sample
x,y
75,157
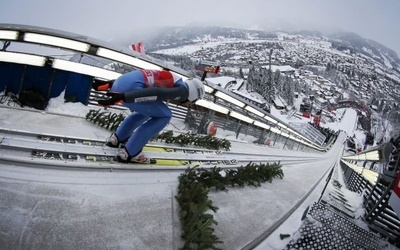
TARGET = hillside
x,y
344,63
173,37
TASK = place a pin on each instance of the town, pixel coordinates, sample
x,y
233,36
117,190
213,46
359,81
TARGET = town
x,y
323,71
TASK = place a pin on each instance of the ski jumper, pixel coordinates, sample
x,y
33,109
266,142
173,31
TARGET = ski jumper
x,y
144,92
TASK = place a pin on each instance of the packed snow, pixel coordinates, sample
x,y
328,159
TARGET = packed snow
x,y
105,191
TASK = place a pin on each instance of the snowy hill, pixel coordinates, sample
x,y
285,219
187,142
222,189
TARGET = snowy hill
x,y
347,52
358,44
173,37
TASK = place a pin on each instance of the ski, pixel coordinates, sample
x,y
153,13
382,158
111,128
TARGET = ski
x,y
99,159
59,150
97,154
151,146
101,143
97,142
152,152
68,153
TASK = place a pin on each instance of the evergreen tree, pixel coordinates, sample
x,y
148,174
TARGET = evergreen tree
x,y
264,85
290,92
271,90
277,80
328,66
250,79
287,90
297,86
260,80
385,110
381,104
241,75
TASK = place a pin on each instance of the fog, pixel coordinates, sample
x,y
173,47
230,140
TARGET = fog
x,y
101,19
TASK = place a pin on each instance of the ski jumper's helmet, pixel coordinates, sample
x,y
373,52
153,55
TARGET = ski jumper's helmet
x,y
196,89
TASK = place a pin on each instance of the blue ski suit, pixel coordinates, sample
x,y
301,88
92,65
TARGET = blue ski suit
x,y
145,92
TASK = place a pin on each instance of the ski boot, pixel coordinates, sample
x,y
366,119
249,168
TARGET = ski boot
x,y
123,156
113,141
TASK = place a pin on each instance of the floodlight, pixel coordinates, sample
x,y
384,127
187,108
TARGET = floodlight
x,y
254,111
56,42
285,134
127,59
208,89
262,125
370,176
241,117
270,119
84,69
212,106
372,156
275,130
8,35
282,125
21,58
229,99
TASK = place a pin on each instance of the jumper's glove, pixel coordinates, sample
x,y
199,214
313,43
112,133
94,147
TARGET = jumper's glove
x,y
116,98
100,85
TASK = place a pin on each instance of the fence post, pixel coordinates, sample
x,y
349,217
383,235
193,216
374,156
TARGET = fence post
x,y
379,202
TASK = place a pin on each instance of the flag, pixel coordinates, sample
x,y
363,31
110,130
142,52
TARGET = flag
x,y
138,47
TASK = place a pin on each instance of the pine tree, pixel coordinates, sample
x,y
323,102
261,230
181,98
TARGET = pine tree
x,y
272,91
264,86
284,90
328,66
290,92
241,75
250,79
277,80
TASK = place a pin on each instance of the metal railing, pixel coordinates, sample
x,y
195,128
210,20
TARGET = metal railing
x,y
377,188
237,107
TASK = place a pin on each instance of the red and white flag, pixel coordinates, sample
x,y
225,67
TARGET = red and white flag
x,y
138,47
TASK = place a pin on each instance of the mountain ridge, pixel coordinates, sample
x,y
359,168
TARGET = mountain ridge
x,y
176,36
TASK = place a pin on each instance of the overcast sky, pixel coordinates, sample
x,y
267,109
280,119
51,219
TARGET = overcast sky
x,y
102,19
